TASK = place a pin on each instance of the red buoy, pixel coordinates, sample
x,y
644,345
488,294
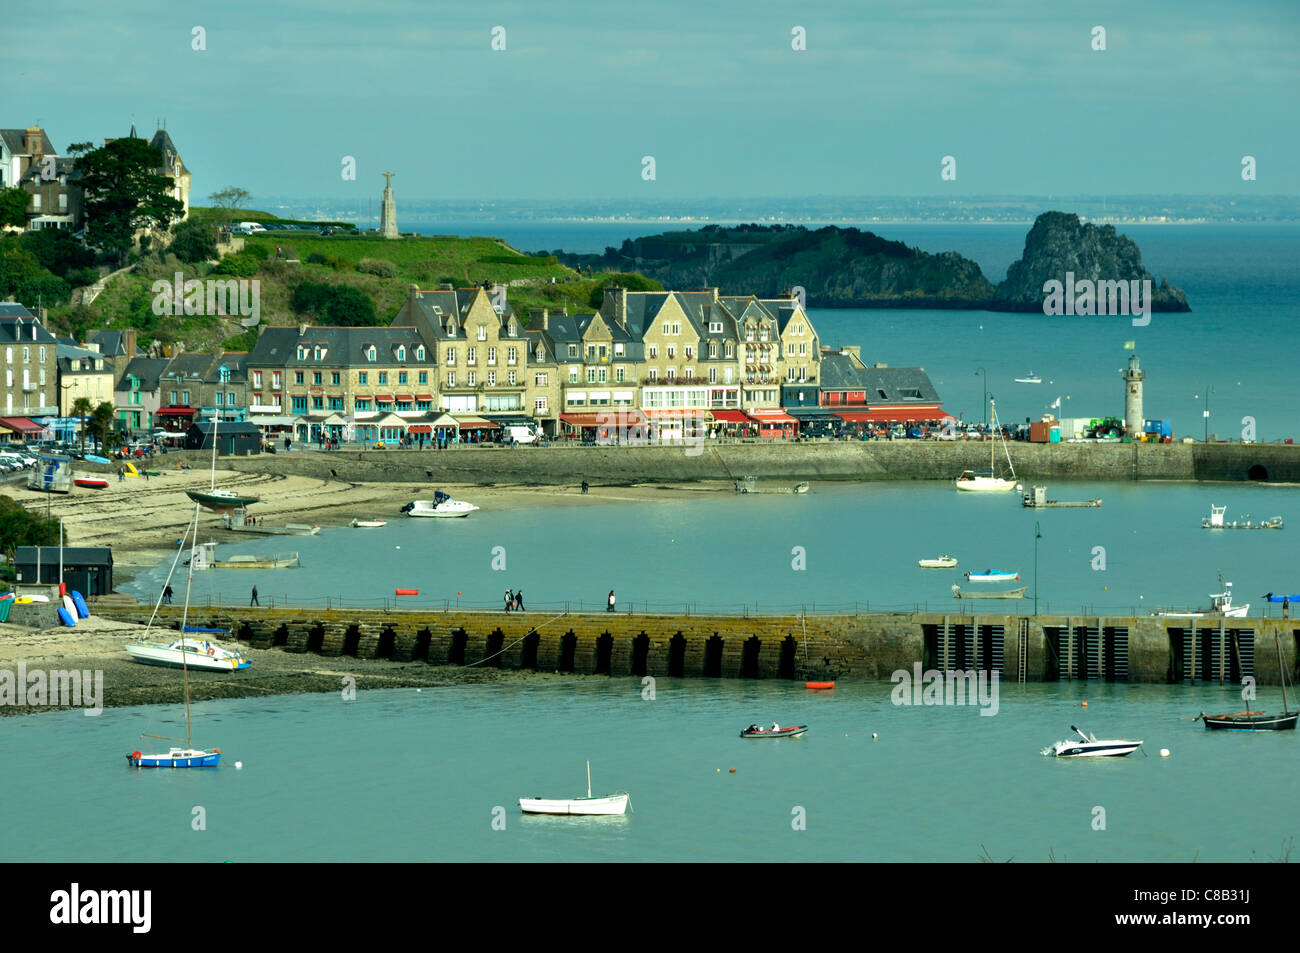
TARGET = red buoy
x,y
818,684
408,592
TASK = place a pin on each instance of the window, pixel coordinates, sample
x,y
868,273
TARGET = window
x,y
471,378
713,375
275,380
492,379
730,350
424,405
297,377
514,329
749,333
539,380
573,375
318,403
578,398
230,398
383,378
672,351
666,329
713,349
299,405
173,400
619,373
540,353
403,405
471,355
336,403
401,352
689,352
482,332
419,352
763,335
42,350
27,355
591,375
909,393
316,378
688,373
654,351
510,377
451,356
451,378
654,373
362,378
361,403
618,350
671,373
302,352
602,375
677,328
511,355
492,355
715,327
539,405
371,353
334,378
220,397
401,377
803,348
573,350
185,397
257,379
424,377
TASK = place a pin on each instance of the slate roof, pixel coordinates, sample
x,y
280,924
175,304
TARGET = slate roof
x,y
163,143
111,343
344,347
63,165
12,309
14,138
840,372
66,354
17,329
148,369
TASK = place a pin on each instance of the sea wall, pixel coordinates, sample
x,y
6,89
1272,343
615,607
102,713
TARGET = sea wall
x,y
861,646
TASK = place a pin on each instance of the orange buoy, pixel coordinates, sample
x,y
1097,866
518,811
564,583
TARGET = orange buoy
x,y
733,770
408,592
1083,704
818,684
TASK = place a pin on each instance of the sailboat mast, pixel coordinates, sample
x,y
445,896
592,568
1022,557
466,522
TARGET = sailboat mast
x,y
588,779
1281,671
184,618
212,483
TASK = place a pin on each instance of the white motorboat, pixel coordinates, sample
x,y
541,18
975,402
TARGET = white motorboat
x,y
941,562
1031,379
611,804
367,524
200,654
1090,747
987,481
994,575
442,505
1221,607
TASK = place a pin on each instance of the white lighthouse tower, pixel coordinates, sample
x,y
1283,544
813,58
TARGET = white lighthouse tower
x,y
1133,377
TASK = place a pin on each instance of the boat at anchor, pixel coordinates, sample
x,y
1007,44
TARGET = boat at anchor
x,y
610,804
994,575
1216,521
1221,607
1090,747
987,481
939,562
1256,720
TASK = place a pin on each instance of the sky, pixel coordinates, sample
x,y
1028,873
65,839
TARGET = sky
x,y
282,94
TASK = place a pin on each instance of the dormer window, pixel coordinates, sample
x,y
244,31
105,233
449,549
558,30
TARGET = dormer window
x,y
482,332
371,353
451,327
401,352
541,353
514,329
302,352
419,352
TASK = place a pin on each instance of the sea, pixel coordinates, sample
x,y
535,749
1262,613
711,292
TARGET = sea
x,y
436,773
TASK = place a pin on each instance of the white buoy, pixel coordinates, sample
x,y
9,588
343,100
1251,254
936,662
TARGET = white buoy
x,y
873,734
238,765
1164,752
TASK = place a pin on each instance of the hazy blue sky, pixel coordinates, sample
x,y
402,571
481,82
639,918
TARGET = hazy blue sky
x,y
712,90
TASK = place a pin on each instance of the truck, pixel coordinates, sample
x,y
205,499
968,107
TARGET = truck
x,y
521,433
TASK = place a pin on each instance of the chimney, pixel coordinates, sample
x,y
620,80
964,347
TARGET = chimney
x,y
302,329
713,291
413,294
446,286
33,142
539,318
562,311
129,344
615,304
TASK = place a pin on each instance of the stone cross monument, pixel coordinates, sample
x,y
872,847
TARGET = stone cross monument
x,y
388,212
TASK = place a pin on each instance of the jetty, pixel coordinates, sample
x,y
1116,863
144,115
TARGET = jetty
x,y
1037,499
749,484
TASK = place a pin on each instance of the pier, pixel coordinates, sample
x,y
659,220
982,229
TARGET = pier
x,y
796,647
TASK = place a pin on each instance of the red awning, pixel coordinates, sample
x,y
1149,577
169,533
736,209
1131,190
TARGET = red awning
x,y
405,397
424,397
730,416
771,416
21,424
178,411
419,428
476,423
622,418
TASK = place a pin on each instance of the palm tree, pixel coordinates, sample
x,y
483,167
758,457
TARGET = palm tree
x,y
82,407
101,421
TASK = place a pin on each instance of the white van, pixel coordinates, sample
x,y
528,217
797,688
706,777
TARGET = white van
x,y
521,433
247,228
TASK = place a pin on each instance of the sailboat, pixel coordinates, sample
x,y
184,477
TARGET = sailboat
x,y
1256,720
988,481
219,500
178,755
612,804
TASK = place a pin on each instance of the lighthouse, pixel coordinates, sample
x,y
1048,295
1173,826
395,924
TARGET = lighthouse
x,y
1133,377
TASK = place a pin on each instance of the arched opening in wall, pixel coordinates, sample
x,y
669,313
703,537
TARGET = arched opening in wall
x,y
495,641
528,658
352,640
316,638
1257,472
423,639
749,657
677,656
713,657
568,651
640,654
604,652
280,636
785,667
387,642
245,632
457,654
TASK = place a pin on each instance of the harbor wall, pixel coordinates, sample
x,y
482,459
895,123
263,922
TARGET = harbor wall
x,y
817,647
784,460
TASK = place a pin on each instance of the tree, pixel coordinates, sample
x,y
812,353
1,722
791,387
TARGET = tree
x,y
194,241
17,265
82,407
124,194
230,198
13,206
101,422
43,291
77,148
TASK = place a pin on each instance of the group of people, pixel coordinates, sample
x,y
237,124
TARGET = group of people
x,y
753,728
515,600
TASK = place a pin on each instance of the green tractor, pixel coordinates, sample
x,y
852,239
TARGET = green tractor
x,y
1106,428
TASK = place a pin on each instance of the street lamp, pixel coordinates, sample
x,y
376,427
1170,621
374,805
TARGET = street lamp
x,y
1206,411
1037,536
985,402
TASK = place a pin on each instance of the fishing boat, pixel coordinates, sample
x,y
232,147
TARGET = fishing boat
x,y
442,505
1221,607
939,562
1216,521
754,731
994,575
91,483
987,481
181,754
367,524
1090,747
200,654
610,804
204,556
1018,593
1032,378
1256,720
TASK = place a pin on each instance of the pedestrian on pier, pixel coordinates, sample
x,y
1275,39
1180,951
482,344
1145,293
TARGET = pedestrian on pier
x,y
1286,607
253,602
519,600
167,595
510,600
610,607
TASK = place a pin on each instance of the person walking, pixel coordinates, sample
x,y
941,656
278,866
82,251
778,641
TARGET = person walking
x,y
610,607
167,595
519,600
510,600
1286,607
253,601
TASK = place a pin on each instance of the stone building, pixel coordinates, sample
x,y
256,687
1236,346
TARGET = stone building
x,y
30,367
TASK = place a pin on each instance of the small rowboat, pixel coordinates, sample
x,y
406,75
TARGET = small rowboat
x,y
991,575
91,483
367,524
753,731
939,562
818,684
611,804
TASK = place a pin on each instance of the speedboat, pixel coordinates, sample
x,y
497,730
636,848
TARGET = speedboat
x,y
941,562
753,731
611,804
195,653
442,505
994,575
1090,747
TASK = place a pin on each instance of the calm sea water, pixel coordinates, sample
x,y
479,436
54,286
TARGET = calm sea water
x,y
406,775
861,543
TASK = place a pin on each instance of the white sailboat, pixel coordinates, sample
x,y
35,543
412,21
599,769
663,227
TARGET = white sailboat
x,y
990,482
612,804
